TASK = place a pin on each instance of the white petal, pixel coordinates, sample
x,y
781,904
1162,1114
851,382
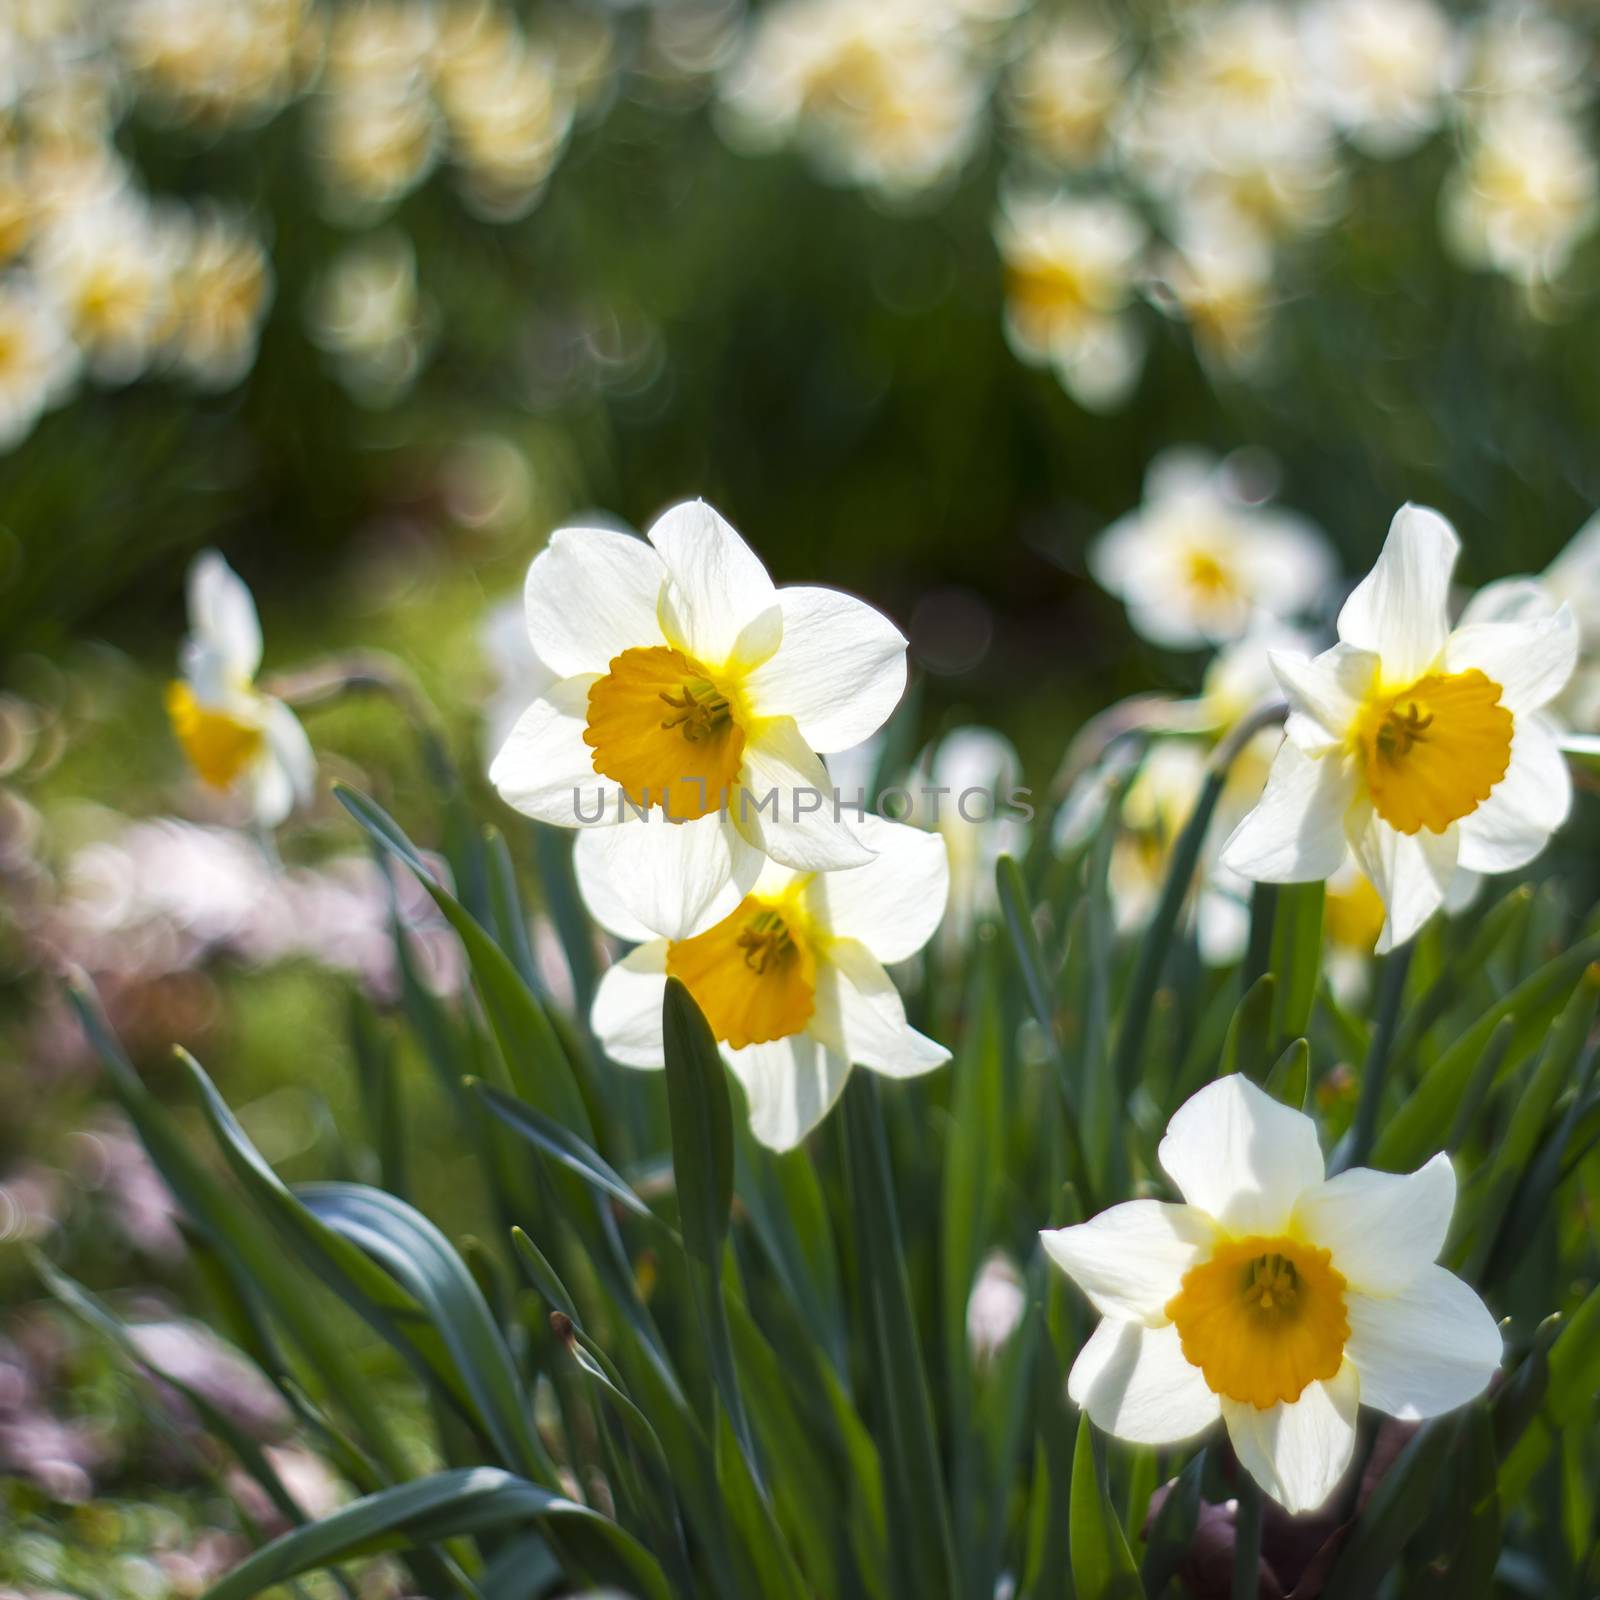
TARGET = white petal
x,y
1130,1260
790,1085
675,879
860,1016
1383,1228
591,594
1400,610
290,751
592,865
222,615
545,770
1509,600
1528,804
1298,1453
1574,575
1135,1384
1296,833
1324,692
1241,1156
1412,872
785,804
839,671
626,1014
1532,662
719,605
894,902
1426,1350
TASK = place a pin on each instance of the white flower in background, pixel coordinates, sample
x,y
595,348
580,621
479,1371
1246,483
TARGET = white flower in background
x,y
221,289
1381,68
1273,1299
508,122
1218,278
687,686
792,981
1525,194
236,738
1064,88
107,267
1517,51
518,674
1424,748
1573,580
368,314
882,95
1242,69
1198,562
1069,267
38,363
962,788
995,1308
377,140
1155,809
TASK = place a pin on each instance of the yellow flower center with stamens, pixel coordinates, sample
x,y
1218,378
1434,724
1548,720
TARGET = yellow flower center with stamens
x,y
219,745
1262,1318
1209,577
754,974
1050,295
662,727
1432,753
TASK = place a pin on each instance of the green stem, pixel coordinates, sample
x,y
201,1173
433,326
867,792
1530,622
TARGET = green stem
x,y
1247,1541
1380,1053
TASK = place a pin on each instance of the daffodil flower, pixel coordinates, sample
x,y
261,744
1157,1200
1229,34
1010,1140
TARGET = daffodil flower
x,y
1273,1299
687,703
1201,562
236,738
792,981
1423,748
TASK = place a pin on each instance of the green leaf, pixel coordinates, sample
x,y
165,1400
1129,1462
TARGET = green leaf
x,y
1173,1528
1102,1565
540,1071
1396,1510
1248,1046
1467,1533
1018,916
1411,1135
1296,957
1290,1078
469,1500
920,1537
701,1118
411,1250
563,1147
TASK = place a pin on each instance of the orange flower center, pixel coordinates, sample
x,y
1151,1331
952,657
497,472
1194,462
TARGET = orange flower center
x,y
1432,753
219,746
753,975
663,728
1262,1318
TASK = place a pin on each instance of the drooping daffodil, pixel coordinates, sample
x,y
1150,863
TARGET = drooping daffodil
x,y
792,981
1424,748
688,701
1273,1299
236,738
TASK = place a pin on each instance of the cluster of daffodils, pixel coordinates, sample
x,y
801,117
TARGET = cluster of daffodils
x,y
680,707
1235,139
99,279
1273,1299
1177,168
1417,755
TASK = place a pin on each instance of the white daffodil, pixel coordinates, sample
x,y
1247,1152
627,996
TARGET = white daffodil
x,y
792,981
235,737
1525,195
1199,562
1423,748
1069,275
1572,579
1065,88
1273,1298
38,362
1382,68
689,700
1218,278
